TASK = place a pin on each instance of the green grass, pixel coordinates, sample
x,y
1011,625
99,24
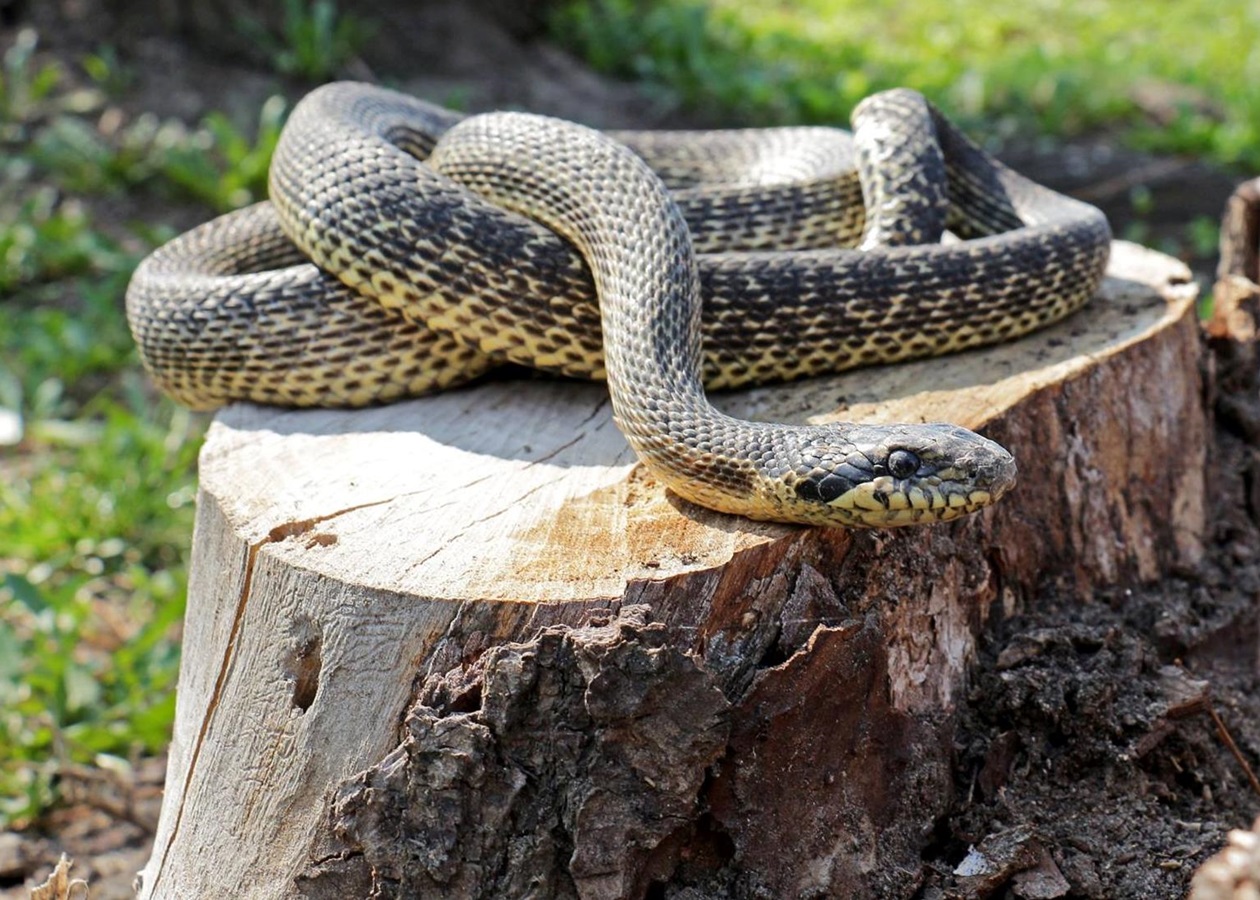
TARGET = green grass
x,y
96,500
1173,77
96,519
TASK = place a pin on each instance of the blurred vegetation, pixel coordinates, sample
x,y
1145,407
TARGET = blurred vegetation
x,y
315,40
97,473
1172,77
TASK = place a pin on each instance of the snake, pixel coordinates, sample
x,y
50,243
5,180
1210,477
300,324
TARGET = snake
x,y
407,248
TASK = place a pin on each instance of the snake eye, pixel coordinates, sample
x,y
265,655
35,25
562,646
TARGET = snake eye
x,y
902,463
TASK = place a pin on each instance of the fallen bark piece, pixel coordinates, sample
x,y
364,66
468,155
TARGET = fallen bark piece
x,y
59,885
1042,882
998,859
470,625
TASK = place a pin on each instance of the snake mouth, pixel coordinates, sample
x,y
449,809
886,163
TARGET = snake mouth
x,y
899,518
969,485
878,504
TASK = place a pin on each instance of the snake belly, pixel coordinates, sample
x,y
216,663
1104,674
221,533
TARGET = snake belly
x,y
485,284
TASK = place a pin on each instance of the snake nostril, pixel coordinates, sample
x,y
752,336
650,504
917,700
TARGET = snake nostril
x,y
997,473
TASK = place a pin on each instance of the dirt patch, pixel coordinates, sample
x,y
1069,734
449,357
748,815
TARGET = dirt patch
x,y
1117,740
1103,732
1105,747
106,828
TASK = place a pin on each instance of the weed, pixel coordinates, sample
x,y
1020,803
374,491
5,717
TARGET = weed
x,y
50,239
1203,234
107,70
315,42
218,164
25,84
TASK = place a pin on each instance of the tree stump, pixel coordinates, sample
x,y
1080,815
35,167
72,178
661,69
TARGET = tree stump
x,y
465,647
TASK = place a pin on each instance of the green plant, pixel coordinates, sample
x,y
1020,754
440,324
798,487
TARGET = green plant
x,y
315,39
697,54
25,84
107,70
90,598
1203,234
42,127
49,239
216,163
62,279
220,165
96,496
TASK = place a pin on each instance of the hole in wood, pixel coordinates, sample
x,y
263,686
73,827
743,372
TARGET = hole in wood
x,y
304,661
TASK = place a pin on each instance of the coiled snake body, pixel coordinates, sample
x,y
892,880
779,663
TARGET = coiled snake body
x,y
525,239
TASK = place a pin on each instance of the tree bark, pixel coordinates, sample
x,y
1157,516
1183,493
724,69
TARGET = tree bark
x,y
465,647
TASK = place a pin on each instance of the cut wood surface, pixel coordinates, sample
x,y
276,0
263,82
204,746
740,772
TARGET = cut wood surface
x,y
357,577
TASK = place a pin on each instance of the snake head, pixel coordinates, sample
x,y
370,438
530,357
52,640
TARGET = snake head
x,y
885,476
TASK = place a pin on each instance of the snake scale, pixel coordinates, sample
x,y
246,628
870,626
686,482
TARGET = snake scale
x,y
408,249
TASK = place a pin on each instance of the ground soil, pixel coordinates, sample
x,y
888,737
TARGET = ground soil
x,y
1111,740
